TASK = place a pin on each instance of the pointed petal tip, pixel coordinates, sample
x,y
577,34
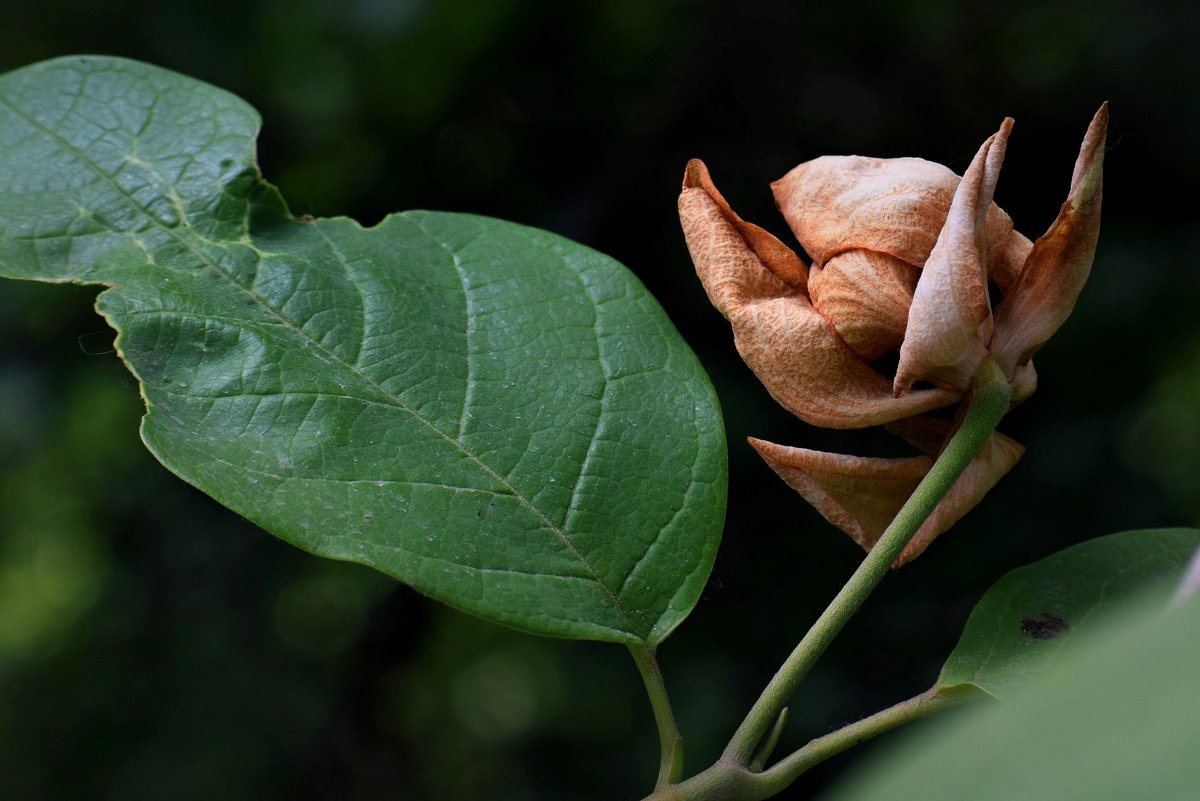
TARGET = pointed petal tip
x,y
695,174
1091,154
994,160
1000,138
1097,128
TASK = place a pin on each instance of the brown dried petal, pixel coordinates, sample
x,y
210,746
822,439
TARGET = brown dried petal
x,y
1059,264
895,206
866,296
839,203
808,369
861,495
950,322
776,256
794,351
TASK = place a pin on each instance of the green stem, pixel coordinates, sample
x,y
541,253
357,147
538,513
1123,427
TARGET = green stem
x,y
670,762
988,402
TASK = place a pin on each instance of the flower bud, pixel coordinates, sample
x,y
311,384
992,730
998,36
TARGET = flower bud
x,y
904,258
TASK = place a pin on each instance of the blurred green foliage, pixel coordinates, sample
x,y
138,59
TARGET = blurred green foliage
x,y
154,645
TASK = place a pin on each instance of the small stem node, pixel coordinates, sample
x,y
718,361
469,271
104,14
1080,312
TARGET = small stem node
x,y
768,745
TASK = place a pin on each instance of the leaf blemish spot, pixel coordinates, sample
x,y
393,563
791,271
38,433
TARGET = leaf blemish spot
x,y
1044,627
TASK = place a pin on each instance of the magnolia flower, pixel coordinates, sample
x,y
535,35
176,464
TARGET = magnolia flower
x,y
904,257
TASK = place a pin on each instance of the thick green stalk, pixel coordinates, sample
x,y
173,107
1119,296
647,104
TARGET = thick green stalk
x,y
670,762
987,404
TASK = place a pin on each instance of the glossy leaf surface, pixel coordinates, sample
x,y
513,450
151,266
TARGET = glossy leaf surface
x,y
502,418
1022,623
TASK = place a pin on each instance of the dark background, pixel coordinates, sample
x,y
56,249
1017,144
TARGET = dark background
x,y
155,646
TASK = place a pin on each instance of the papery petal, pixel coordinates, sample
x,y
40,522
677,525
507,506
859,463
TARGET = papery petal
x,y
895,206
793,349
866,296
775,256
1059,264
950,320
861,495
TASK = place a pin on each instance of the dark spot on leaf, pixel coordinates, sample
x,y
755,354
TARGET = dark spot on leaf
x,y
1045,627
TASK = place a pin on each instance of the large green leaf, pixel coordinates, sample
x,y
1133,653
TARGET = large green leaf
x,y
1115,720
1030,614
497,416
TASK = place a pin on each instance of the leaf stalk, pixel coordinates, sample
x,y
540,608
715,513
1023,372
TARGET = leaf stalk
x,y
670,762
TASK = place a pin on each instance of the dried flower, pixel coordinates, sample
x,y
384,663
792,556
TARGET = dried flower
x,y
902,252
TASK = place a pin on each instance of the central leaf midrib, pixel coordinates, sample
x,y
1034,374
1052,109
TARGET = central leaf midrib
x,y
189,245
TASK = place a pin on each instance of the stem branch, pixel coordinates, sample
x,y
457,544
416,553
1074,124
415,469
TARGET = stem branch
x,y
784,772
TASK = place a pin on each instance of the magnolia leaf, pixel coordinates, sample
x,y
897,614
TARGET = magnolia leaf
x,y
1021,624
1114,720
497,416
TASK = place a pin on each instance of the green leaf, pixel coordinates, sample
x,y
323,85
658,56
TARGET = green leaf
x,y
497,416
1114,720
1028,616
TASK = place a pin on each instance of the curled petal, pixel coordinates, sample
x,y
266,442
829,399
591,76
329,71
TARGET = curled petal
x,y
895,206
866,296
861,495
949,323
792,348
777,257
1058,265
808,369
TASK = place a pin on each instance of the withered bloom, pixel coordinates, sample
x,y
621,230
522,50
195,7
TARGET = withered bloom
x,y
903,252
